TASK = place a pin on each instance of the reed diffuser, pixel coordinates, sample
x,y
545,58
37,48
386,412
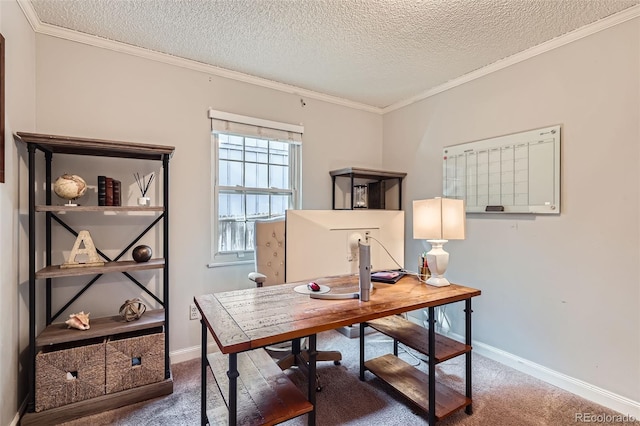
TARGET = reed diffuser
x,y
144,185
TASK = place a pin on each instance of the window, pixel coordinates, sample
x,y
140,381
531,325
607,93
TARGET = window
x,y
256,171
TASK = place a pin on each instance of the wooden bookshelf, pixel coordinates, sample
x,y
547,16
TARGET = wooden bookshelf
x,y
98,405
56,336
100,327
97,147
100,209
55,271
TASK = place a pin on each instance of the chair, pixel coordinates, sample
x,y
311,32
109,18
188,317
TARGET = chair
x,y
269,244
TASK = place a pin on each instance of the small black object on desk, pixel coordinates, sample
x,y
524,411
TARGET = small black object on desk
x,y
388,277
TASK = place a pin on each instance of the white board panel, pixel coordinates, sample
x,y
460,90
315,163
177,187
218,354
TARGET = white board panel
x,y
517,173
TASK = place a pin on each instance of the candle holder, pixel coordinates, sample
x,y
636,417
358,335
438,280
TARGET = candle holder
x,y
360,197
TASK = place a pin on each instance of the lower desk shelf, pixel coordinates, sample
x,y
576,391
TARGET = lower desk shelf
x,y
417,337
265,393
412,383
409,381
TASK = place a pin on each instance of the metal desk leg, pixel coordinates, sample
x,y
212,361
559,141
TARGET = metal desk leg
x,y
467,338
296,348
203,375
432,367
311,378
233,388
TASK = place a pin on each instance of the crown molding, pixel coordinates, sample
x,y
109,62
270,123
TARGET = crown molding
x,y
29,13
603,24
71,35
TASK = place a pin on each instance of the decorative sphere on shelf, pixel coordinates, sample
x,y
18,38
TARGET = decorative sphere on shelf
x,y
132,310
69,187
142,253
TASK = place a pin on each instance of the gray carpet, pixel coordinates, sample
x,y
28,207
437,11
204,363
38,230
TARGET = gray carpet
x,y
501,395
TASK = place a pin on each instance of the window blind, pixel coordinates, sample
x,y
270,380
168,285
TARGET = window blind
x,y
225,122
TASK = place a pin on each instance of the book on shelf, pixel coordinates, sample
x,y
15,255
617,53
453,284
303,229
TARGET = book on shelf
x,y
117,195
102,188
108,191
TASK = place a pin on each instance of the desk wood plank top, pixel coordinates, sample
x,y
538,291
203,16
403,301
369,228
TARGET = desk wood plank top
x,y
241,320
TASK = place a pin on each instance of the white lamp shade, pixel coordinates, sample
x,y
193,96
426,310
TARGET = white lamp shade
x,y
439,219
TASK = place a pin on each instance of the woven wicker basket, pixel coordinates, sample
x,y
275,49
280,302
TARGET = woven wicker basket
x,y
69,375
134,361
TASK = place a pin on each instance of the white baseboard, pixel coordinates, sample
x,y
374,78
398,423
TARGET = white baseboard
x,y
621,404
16,419
187,354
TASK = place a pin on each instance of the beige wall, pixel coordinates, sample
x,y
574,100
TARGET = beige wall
x,y
561,291
19,114
93,92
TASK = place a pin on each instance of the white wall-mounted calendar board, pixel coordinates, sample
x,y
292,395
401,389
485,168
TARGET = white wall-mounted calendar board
x,y
517,173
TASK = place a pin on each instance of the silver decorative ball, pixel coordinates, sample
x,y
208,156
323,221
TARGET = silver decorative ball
x,y
132,309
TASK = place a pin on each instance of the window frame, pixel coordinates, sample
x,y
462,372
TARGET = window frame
x,y
294,191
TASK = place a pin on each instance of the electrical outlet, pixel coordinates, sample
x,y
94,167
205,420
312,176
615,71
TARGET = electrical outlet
x,y
193,312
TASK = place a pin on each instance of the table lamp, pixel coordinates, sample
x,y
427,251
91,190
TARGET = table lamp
x,y
438,220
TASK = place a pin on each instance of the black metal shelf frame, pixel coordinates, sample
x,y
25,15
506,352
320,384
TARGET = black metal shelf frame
x,y
353,173
49,218
51,318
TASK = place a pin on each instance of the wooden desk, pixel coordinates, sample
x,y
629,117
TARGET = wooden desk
x,y
243,320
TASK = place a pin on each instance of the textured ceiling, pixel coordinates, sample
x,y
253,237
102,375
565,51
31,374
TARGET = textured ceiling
x,y
374,52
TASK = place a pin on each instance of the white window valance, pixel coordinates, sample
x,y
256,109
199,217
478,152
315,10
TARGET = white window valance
x,y
226,122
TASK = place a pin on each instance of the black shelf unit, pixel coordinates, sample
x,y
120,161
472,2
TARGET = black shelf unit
x,y
54,332
375,181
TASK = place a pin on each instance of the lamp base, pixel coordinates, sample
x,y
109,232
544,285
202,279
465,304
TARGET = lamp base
x,y
438,281
437,260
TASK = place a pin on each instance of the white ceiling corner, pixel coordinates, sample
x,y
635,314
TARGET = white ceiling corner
x,y
376,55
